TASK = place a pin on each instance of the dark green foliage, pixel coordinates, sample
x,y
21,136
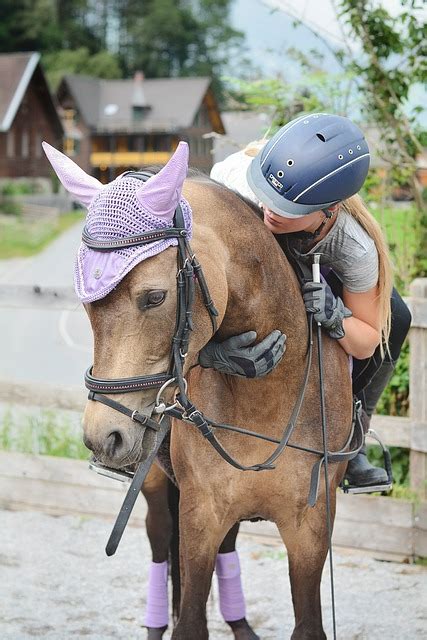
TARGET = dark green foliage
x,y
395,399
114,38
168,38
80,61
399,461
15,188
392,60
10,207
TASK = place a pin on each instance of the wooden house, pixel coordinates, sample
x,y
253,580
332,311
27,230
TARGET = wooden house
x,y
28,115
113,125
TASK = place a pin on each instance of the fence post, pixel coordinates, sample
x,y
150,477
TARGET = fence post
x,y
418,384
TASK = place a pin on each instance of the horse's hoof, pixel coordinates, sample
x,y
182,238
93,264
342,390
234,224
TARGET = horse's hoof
x,y
155,633
242,630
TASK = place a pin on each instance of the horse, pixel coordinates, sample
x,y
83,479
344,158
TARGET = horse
x,y
254,288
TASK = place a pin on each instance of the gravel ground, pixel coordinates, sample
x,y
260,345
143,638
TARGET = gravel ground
x,y
56,582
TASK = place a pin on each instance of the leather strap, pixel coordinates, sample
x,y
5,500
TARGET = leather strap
x,y
131,241
124,385
204,425
134,415
133,492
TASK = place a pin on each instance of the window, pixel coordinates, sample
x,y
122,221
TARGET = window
x,y
25,144
69,146
38,145
10,144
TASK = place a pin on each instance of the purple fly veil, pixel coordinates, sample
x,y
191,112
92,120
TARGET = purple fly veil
x,y
122,208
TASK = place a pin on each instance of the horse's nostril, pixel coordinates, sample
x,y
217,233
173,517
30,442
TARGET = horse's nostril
x,y
113,443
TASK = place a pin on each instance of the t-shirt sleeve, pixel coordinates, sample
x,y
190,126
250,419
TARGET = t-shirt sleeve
x,y
359,273
231,172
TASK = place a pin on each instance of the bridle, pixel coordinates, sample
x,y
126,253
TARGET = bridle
x,y
189,271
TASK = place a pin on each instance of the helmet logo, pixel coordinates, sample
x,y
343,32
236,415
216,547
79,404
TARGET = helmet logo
x,y
275,182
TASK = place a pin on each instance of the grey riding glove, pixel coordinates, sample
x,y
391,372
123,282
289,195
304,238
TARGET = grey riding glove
x,y
326,308
236,357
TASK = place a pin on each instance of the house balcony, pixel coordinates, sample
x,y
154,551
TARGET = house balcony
x,y
104,159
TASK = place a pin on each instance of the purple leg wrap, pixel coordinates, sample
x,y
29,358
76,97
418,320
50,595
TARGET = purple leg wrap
x,y
157,613
231,598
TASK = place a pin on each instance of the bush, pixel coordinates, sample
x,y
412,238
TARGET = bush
x,y
399,463
15,188
47,433
10,208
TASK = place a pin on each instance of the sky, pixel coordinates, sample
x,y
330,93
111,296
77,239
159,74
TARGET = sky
x,y
270,32
321,14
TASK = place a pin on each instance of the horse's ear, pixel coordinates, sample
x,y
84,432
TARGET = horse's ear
x,y
162,192
77,182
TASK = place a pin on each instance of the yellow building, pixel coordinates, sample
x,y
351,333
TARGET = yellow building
x,y
113,125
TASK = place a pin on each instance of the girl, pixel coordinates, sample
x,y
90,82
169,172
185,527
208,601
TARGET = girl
x,y
306,180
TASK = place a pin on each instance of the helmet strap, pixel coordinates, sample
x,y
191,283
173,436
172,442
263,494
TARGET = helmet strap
x,y
312,235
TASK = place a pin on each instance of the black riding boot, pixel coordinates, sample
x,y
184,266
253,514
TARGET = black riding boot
x,y
360,472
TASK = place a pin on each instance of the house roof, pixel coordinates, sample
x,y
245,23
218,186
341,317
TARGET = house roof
x,y
241,127
106,105
16,72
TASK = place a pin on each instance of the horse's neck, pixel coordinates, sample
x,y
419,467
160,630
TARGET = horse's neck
x,y
263,291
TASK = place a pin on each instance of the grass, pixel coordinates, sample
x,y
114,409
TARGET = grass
x,y
401,227
21,238
47,433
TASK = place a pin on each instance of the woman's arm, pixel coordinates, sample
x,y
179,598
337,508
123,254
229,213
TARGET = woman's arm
x,y
362,330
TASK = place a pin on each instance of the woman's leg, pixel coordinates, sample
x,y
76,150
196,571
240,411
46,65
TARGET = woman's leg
x,y
370,377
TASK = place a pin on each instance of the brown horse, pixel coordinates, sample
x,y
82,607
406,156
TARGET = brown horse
x,y
254,287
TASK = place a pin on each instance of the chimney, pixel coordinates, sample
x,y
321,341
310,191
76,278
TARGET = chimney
x,y
139,103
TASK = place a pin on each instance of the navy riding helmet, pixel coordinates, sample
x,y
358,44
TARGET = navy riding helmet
x,y
311,163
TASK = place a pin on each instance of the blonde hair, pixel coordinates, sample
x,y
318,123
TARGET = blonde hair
x,y
357,209
253,148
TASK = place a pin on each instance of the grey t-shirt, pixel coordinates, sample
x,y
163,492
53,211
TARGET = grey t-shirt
x,y
349,251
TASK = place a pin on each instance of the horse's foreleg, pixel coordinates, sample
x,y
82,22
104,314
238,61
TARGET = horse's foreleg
x,y
201,533
231,598
306,539
159,531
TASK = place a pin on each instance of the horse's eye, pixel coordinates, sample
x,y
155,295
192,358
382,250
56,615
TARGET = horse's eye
x,y
154,298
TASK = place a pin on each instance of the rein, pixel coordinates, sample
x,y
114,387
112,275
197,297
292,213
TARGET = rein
x,y
189,271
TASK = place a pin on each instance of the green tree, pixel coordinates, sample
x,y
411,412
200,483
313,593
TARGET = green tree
x,y
46,25
167,38
393,60
101,65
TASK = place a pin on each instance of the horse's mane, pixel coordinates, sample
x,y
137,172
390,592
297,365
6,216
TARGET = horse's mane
x,y
200,176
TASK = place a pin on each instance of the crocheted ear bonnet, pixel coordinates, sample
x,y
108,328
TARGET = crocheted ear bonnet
x,y
124,207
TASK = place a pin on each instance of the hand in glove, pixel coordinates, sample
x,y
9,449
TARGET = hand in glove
x,y
235,357
327,309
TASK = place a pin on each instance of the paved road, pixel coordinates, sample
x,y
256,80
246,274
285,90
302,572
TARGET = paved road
x,y
57,583
44,346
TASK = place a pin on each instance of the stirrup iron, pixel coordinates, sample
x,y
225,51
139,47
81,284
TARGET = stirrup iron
x,y
384,487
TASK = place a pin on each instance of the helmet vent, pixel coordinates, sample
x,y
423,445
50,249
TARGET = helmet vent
x,y
321,137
